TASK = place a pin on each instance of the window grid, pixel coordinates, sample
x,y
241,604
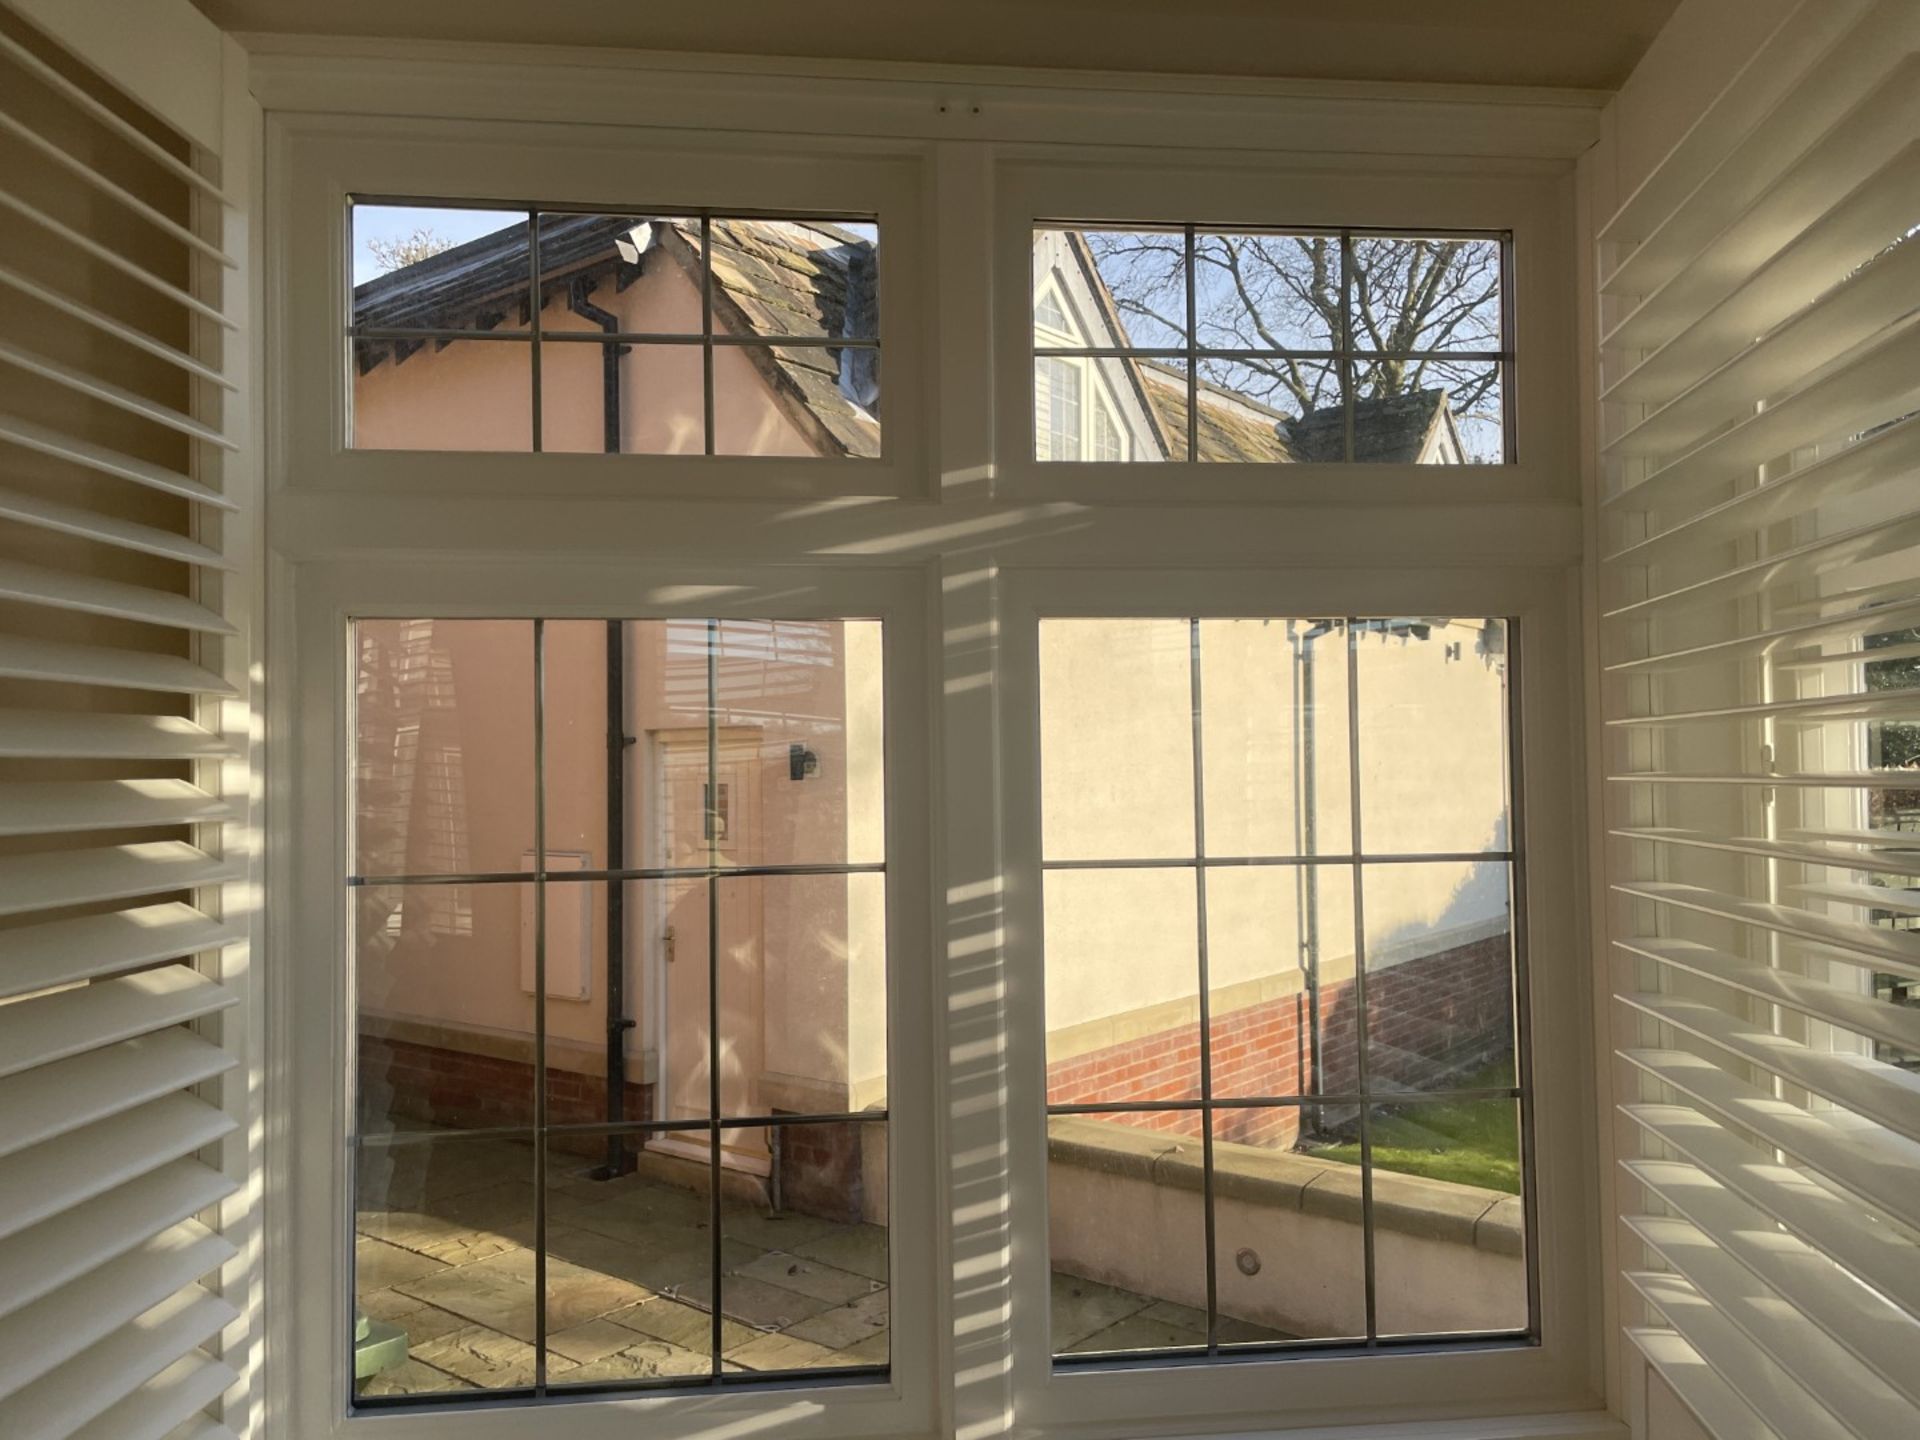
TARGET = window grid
x,y
536,336
1346,355
714,1126
1364,1098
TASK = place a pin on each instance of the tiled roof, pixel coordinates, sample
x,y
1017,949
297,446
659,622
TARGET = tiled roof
x,y
1393,430
1229,428
774,279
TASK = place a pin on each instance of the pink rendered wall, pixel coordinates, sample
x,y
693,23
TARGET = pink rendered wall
x,y
475,394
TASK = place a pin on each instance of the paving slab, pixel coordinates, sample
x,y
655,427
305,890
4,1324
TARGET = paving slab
x,y
845,1326
645,1360
487,1358
809,1277
859,1248
677,1323
411,1377
378,1265
785,1352
1085,1307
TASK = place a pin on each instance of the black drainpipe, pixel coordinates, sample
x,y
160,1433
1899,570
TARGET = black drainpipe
x,y
1307,831
619,1161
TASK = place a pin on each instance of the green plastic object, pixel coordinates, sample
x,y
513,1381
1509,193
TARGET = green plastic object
x,y
377,1346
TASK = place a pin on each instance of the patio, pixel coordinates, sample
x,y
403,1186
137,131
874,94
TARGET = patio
x,y
443,1251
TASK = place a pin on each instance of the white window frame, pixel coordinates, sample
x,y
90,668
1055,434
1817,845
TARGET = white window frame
x,y
319,1065
1081,1399
956,538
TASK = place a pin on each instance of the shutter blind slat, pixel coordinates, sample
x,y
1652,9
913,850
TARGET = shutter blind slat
x,y
125,548
1881,1337
1778,1391
1704,175
39,1260
191,1383
1884,1093
1708,1395
63,952
118,396
1879,861
77,735
1857,309
105,324
108,529
1835,1225
80,451
40,585
50,1333
56,1405
54,1100
1871,133
1847,236
57,1175
58,807
119,194
1889,949
80,877
1850,1009
1881,1168
62,663
52,1027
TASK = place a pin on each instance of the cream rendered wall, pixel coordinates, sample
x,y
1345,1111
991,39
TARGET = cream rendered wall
x,y
1117,783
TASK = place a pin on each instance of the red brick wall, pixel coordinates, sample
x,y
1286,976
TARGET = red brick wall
x,y
1431,1017
434,1085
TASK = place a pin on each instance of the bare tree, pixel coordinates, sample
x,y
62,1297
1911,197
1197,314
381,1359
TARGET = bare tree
x,y
1297,294
403,250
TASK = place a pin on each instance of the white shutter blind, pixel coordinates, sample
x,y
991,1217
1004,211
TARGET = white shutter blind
x,y
122,758
1759,375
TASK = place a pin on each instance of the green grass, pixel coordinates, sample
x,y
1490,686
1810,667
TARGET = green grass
x,y
1468,1142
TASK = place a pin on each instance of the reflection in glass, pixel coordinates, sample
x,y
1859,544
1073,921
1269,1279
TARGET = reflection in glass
x,y
1127,1232
1143,273
442,710
1433,703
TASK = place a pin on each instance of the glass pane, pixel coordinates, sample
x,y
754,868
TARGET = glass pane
x,y
1276,411
672,932
1433,735
1258,290
623,1241
1289,1243
806,1252
426,394
444,1007
598,398
1127,1233
1274,724
1429,411
630,274
787,279
1116,739
803,1005
443,746
1123,982
1280,968
427,267
1109,288
1449,1222
799,400
1440,998
1426,293
442,1270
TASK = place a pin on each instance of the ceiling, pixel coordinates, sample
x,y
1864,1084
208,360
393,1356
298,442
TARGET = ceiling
x,y
1588,44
